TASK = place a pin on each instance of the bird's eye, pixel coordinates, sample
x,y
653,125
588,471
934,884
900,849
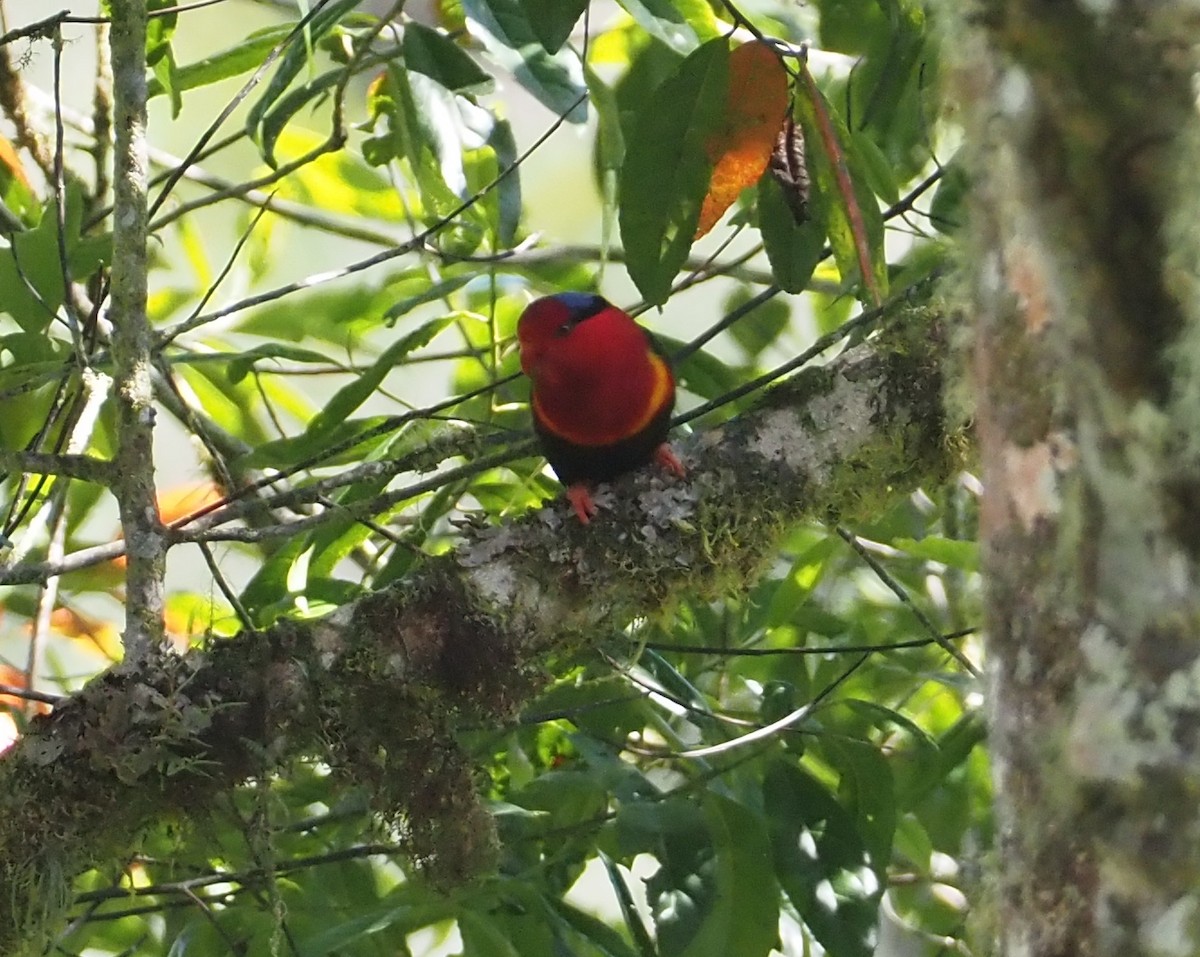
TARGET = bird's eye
x,y
565,329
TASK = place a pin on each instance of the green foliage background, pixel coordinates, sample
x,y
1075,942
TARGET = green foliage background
x,y
387,149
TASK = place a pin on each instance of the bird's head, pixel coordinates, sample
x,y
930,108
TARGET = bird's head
x,y
548,325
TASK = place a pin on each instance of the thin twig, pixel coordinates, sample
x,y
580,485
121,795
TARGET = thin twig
x,y
45,697
48,594
899,591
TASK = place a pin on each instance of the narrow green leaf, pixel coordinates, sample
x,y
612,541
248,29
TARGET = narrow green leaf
x,y
955,553
886,88
441,59
608,942
240,365
351,396
855,225
427,124
160,56
370,921
508,193
667,168
876,167
293,60
240,58
702,372
433,293
629,911
553,20
610,148
482,937
556,80
337,538
867,790
278,116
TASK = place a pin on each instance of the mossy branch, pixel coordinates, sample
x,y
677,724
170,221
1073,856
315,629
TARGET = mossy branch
x,y
379,688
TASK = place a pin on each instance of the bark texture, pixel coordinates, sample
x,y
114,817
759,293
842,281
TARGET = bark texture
x,y
1083,251
133,338
380,688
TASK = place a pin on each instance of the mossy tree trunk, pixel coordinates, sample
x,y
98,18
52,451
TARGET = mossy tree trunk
x,y
1083,250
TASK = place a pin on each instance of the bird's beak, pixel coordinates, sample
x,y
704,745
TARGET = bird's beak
x,y
530,357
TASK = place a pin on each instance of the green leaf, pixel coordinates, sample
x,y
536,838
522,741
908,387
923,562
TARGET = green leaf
x,y
714,893
667,168
427,128
569,797
240,366
160,57
745,920
556,80
369,921
483,938
855,225
277,118
31,276
702,372
243,57
553,20
885,96
441,59
761,328
433,293
293,60
327,316
680,25
954,553
606,941
821,861
351,396
866,789
508,193
293,449
876,167
610,148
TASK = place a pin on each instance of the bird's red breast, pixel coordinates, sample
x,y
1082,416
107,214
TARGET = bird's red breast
x,y
597,378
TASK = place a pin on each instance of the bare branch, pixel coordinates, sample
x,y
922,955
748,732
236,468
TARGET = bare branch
x,y
133,338
83,467
459,642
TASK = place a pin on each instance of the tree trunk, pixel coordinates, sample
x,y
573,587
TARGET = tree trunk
x,y
1083,253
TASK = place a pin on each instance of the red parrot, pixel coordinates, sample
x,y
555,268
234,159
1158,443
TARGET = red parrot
x,y
602,392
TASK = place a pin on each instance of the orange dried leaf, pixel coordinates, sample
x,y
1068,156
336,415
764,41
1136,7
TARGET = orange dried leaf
x,y
755,108
10,161
15,678
102,634
181,501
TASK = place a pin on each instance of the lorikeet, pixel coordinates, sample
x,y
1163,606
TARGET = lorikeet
x,y
602,392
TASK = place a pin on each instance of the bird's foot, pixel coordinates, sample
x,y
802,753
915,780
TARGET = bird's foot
x,y
665,457
580,497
